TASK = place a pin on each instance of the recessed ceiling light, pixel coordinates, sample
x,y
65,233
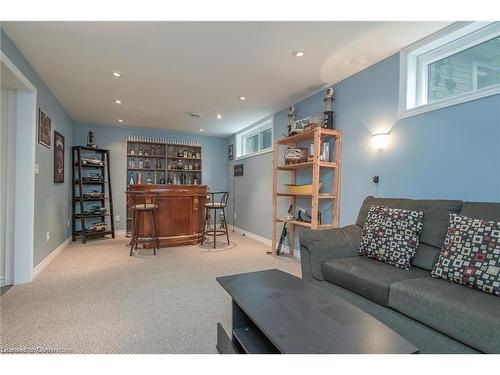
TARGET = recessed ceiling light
x,y
219,116
195,115
299,53
120,120
243,98
118,101
201,130
117,74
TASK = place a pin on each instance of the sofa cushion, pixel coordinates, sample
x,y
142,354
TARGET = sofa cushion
x,y
367,277
391,235
426,256
481,210
436,215
465,314
471,254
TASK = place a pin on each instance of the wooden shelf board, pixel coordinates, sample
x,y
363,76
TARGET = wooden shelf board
x,y
179,145
148,143
307,135
296,222
305,224
308,164
147,156
320,195
183,158
184,170
146,169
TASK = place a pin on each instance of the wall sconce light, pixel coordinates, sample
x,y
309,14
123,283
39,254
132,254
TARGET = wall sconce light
x,y
380,140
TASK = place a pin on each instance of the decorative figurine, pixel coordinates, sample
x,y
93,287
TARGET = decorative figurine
x,y
291,118
328,113
90,140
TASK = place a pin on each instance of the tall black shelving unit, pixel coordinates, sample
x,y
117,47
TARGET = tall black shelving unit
x,y
92,198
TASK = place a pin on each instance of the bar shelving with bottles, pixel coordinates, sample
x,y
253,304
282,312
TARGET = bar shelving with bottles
x,y
162,161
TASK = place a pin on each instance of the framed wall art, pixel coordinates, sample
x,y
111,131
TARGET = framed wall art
x,y
58,157
44,128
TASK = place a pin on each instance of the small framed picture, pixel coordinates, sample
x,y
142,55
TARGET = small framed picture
x,y
230,152
58,158
44,128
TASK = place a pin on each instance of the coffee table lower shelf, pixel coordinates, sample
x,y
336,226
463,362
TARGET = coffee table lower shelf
x,y
245,340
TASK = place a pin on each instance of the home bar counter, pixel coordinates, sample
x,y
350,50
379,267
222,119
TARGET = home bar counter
x,y
180,214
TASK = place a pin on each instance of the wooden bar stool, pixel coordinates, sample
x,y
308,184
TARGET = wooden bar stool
x,y
214,205
143,203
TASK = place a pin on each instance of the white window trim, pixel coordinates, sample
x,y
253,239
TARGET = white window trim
x,y
475,67
413,79
257,128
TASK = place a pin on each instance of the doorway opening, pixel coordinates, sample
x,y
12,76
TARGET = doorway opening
x,y
17,174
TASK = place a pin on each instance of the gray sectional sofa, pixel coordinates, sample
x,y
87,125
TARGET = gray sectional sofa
x,y
435,315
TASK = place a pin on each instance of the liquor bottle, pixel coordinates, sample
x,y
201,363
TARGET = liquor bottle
x,y
141,164
140,151
155,179
139,178
147,164
148,179
185,154
146,152
195,180
131,181
158,164
132,151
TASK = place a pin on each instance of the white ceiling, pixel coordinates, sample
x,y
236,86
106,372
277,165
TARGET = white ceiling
x,y
172,68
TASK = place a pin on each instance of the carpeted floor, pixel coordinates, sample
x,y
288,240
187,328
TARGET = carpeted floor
x,y
94,298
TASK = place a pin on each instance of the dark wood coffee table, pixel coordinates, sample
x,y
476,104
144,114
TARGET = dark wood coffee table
x,y
275,312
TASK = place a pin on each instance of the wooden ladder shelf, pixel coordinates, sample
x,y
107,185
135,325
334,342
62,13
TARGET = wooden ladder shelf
x,y
314,136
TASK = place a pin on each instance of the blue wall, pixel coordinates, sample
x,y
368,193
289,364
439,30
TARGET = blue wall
x,y
52,201
214,163
449,153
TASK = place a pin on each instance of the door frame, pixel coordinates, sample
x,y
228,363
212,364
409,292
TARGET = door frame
x,y
21,187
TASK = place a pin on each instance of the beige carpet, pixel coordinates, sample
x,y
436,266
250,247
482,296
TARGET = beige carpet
x,y
94,298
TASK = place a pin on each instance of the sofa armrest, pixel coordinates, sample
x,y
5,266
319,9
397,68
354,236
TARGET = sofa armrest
x,y
319,246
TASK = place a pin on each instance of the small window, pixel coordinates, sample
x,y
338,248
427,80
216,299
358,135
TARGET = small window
x,y
458,64
256,139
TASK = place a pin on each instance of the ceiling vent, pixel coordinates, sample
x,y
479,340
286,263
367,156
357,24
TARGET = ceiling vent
x,y
195,115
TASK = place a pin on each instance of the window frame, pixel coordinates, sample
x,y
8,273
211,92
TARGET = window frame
x,y
256,129
416,58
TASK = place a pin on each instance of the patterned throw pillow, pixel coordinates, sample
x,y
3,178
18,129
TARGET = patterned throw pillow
x,y
471,254
391,235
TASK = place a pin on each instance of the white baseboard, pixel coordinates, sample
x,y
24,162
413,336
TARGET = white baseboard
x,y
262,240
44,263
